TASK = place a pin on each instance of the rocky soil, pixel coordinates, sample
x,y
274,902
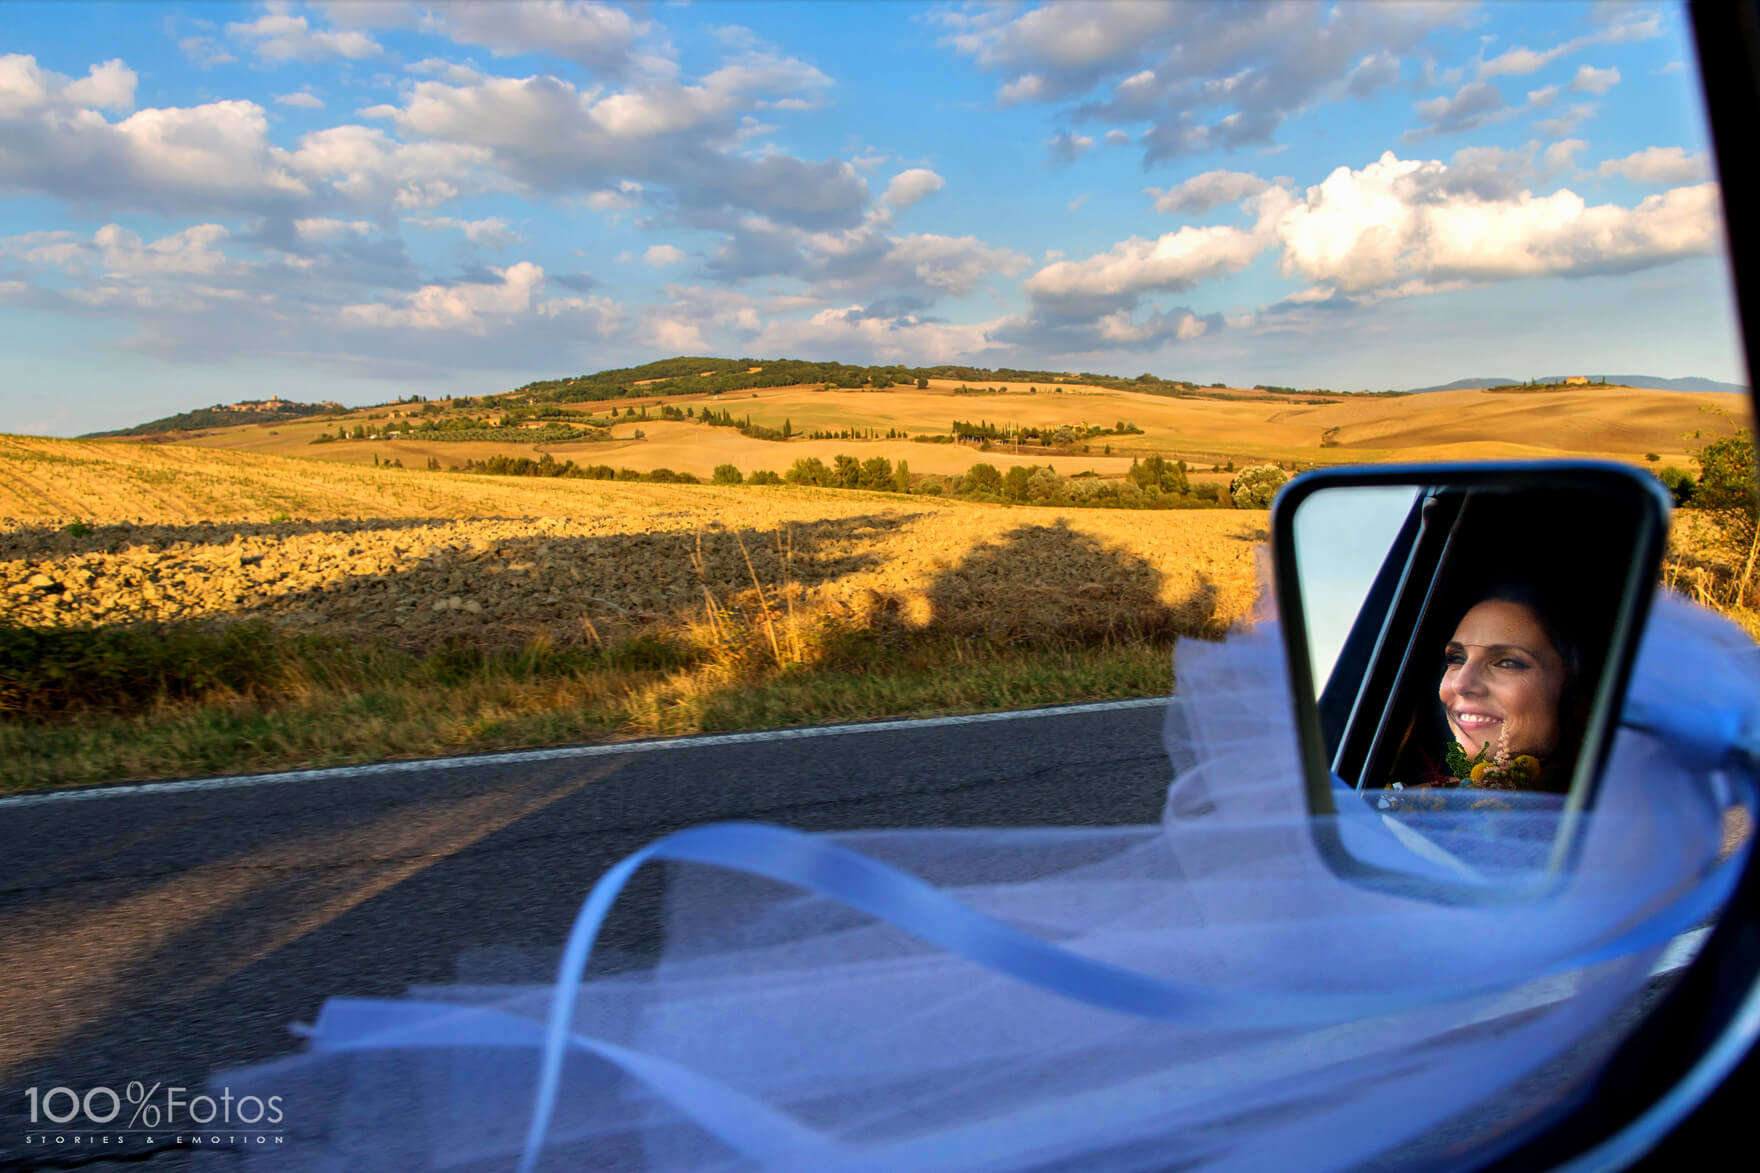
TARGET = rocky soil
x,y
420,581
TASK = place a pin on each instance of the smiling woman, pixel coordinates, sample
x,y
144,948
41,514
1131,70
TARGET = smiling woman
x,y
1511,682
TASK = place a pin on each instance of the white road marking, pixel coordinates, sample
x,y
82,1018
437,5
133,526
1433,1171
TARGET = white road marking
x,y
561,753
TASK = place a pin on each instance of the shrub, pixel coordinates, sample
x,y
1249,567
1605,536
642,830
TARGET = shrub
x,y
763,477
983,478
128,668
1254,487
1678,482
1015,482
726,474
1045,485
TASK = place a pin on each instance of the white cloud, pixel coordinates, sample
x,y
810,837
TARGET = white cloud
x,y
370,169
27,88
908,187
1392,228
597,36
1118,138
1590,80
301,99
476,307
1562,155
1173,261
854,330
328,228
278,36
1202,192
1626,27
1075,205
447,71
1201,76
1566,121
191,251
547,135
625,196
661,255
203,159
490,233
1659,165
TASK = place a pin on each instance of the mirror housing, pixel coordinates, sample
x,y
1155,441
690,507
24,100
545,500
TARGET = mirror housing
x,y
1455,631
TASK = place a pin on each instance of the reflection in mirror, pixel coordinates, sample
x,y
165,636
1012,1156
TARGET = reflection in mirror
x,y
1459,637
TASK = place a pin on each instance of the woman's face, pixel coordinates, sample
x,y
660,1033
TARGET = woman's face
x,y
1502,676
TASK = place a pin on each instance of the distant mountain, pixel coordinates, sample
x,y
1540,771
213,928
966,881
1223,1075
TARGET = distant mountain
x,y
1648,382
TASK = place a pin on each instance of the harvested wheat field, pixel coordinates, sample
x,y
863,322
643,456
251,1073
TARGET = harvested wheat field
x,y
415,557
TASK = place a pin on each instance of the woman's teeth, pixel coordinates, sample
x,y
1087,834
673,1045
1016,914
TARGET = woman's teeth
x,y
1475,720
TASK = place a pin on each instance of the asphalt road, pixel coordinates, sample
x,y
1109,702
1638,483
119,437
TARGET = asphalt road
x,y
161,934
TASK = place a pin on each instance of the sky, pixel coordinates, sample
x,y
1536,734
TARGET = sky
x,y
204,202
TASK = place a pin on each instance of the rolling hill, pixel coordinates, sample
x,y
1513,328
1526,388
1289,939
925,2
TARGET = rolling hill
x,y
1645,382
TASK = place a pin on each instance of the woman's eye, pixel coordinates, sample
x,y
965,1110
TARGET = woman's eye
x,y
1513,664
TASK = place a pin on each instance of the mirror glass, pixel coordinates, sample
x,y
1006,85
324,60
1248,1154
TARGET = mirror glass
x,y
1463,635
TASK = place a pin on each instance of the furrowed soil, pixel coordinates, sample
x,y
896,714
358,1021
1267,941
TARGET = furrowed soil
x,y
772,605
420,556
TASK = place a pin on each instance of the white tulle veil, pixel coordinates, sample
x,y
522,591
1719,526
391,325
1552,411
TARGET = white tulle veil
x,y
1204,993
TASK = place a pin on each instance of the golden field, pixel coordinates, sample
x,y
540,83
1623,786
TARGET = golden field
x,y
181,533
587,609
1612,423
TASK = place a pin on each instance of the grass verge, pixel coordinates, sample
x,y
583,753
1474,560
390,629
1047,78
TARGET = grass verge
x,y
107,706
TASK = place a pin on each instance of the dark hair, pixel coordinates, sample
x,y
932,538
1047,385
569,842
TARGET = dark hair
x,y
1563,629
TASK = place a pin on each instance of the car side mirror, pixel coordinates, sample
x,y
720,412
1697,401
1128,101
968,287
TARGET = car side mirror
x,y
1459,638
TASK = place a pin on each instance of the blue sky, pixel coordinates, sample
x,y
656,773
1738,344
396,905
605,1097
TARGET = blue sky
x,y
204,202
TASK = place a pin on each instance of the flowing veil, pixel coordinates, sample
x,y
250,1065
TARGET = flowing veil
x,y
1202,993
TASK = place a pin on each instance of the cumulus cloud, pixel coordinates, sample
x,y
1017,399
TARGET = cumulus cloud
x,y
908,187
1200,193
370,169
301,100
1393,228
1659,165
509,305
447,71
278,36
550,137
490,233
1590,80
1374,72
598,36
1116,279
852,330
1067,148
1201,76
1562,155
626,195
27,88
205,159
661,255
